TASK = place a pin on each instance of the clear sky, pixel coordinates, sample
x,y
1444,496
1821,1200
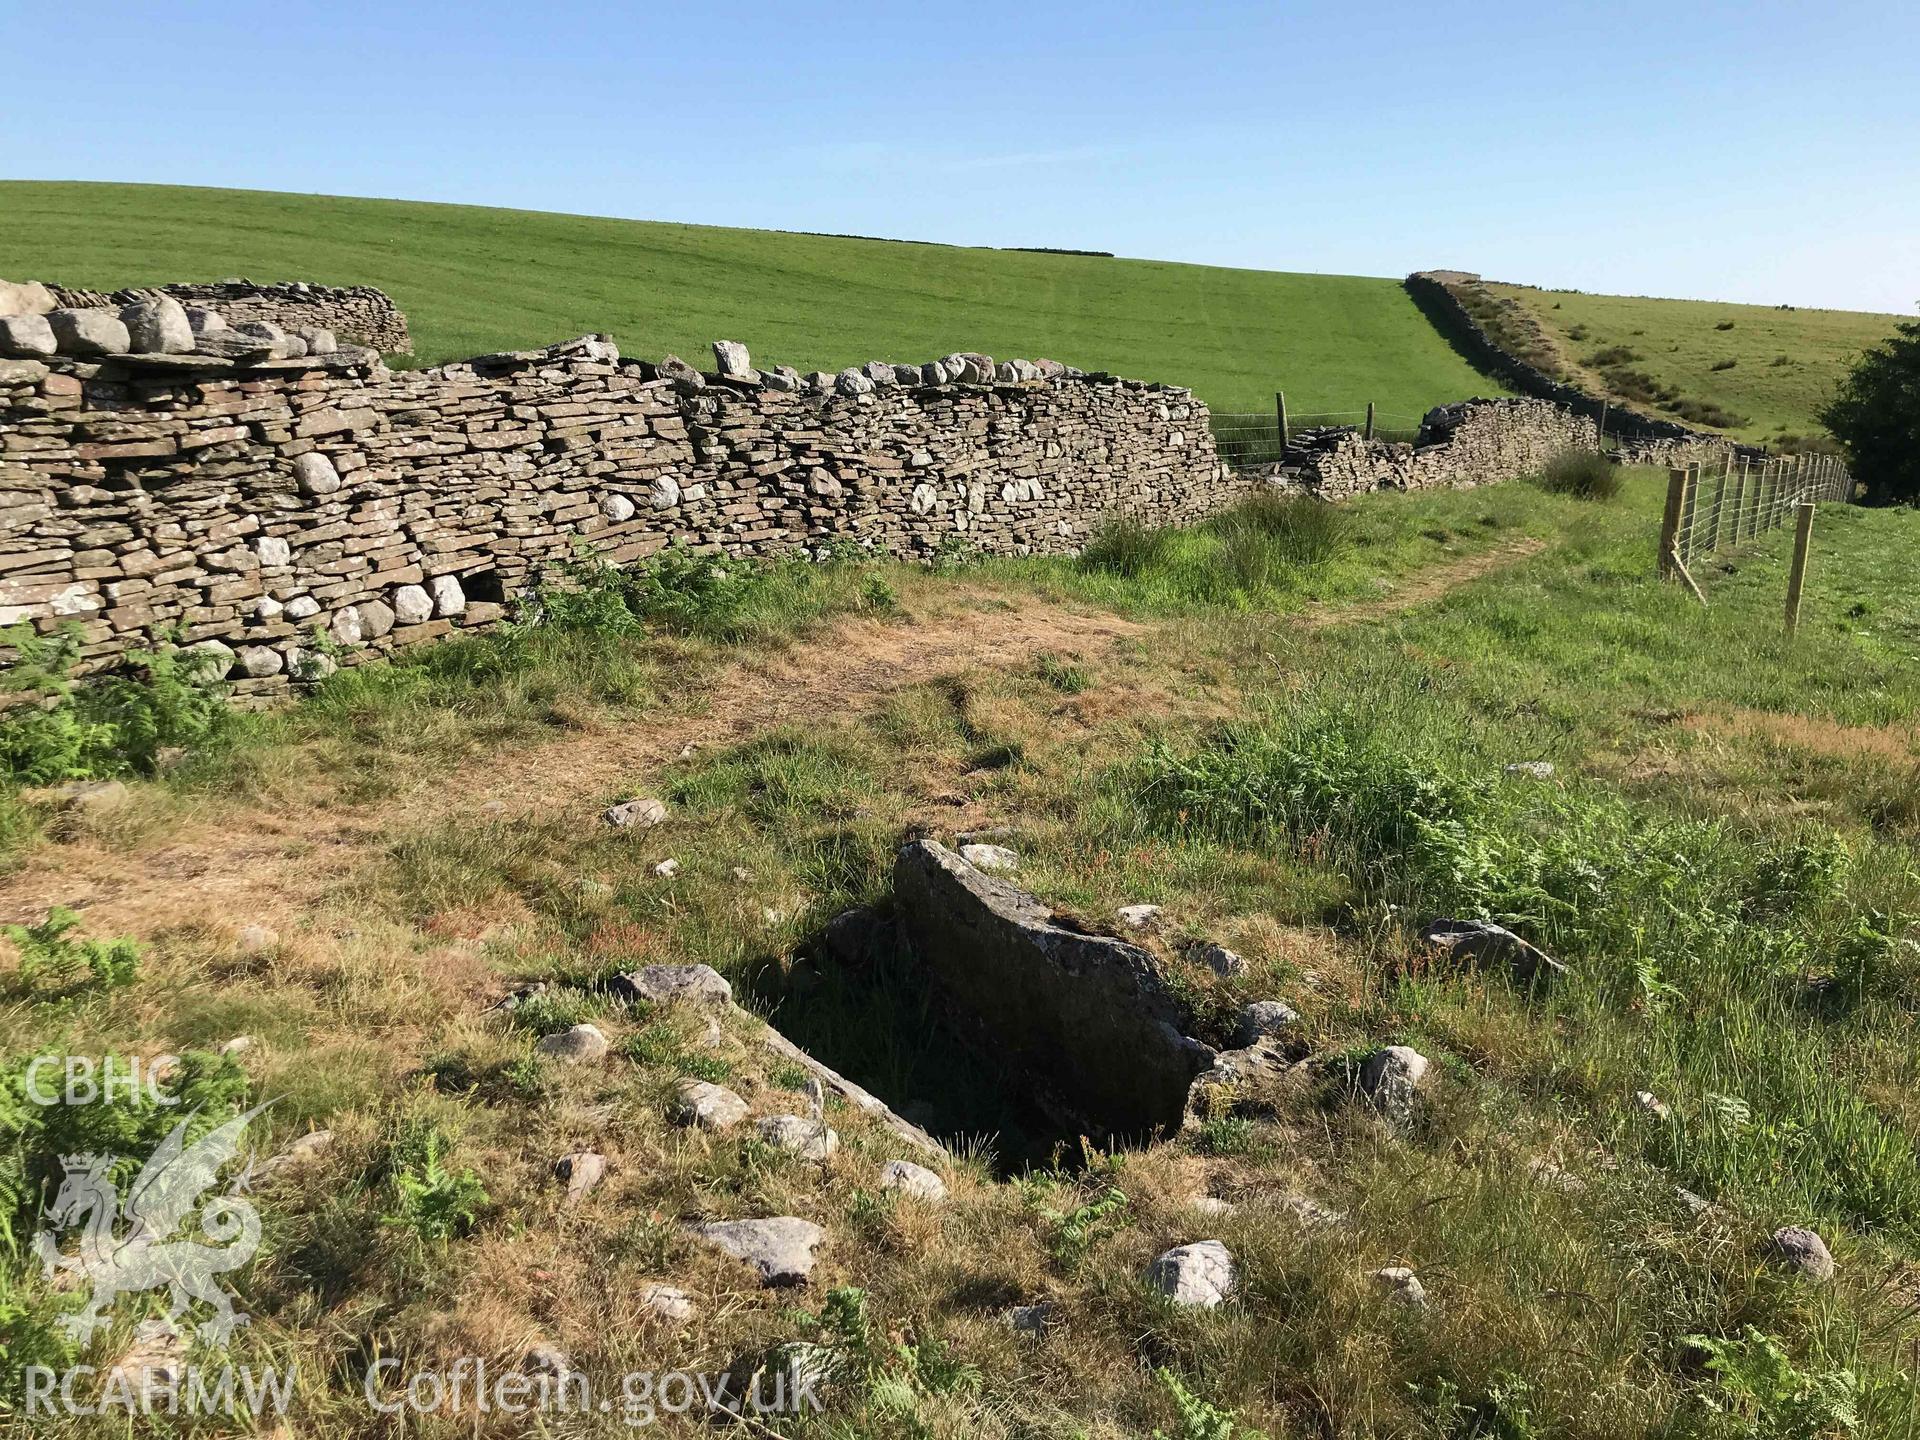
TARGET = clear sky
x,y
1761,152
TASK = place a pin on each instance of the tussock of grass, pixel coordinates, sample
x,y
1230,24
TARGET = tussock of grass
x,y
1585,474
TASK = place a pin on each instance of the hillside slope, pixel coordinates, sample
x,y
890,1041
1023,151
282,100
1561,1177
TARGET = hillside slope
x,y
1759,372
473,280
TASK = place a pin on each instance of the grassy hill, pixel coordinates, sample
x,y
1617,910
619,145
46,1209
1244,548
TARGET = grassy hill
x,y
473,280
1757,371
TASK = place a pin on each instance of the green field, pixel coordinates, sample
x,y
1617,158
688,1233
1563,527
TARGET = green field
x,y
1785,361
473,280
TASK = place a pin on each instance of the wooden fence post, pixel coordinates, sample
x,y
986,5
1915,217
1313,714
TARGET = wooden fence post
x,y
1719,507
1739,500
1369,434
1600,428
1670,521
1280,417
1797,580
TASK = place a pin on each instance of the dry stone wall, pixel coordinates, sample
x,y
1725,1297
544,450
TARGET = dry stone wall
x,y
294,513
1646,439
1459,446
292,504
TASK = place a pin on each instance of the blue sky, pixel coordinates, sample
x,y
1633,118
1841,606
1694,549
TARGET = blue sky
x,y
1759,152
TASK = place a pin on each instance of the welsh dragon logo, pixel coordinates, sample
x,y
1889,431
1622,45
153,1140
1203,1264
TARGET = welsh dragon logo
x,y
129,1246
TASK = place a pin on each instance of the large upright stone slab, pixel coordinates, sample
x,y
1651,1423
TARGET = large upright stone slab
x,y
1087,1020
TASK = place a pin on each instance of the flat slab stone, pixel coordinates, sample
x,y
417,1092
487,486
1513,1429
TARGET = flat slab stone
x,y
1088,1022
674,984
780,1248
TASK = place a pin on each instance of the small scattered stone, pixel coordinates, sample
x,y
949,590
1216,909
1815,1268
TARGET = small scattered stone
x,y
1554,1177
667,869
798,1135
781,1249
297,1155
1032,1319
152,1368
1264,1019
238,1045
1390,1078
1217,958
256,939
1210,1205
1402,1285
90,797
667,1301
674,984
991,858
546,1359
706,1106
638,814
1532,769
1309,1212
1696,1204
1140,917
1201,1275
1651,1105
581,1171
911,1179
577,1045
1805,1252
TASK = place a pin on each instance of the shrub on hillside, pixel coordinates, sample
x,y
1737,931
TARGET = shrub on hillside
x,y
1705,412
1585,474
1876,415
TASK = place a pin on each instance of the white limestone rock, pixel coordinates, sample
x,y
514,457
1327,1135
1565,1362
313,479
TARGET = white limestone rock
x,y
576,1045
910,1179
1201,1275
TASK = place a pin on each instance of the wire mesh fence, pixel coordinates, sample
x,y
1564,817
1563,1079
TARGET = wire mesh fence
x,y
1733,502
1245,440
